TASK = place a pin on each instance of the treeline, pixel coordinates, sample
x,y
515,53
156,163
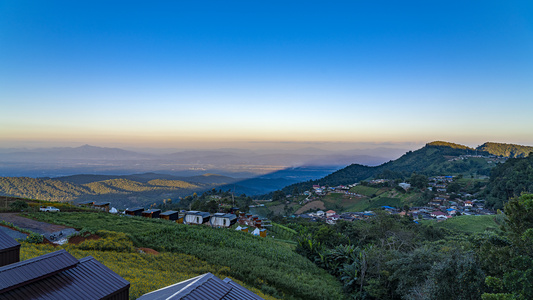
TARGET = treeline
x,y
509,180
212,201
391,257
506,150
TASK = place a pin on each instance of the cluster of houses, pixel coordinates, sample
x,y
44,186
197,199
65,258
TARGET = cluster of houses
x,y
331,217
441,207
250,223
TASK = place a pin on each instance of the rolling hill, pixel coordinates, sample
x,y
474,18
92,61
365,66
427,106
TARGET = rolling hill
x,y
435,158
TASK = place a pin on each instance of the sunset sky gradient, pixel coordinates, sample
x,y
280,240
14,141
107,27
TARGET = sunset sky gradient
x,y
222,73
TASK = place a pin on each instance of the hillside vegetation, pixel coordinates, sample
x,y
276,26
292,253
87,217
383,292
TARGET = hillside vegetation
x,y
509,180
435,158
507,150
260,262
122,192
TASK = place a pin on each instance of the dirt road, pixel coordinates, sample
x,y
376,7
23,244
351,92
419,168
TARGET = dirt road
x,y
50,231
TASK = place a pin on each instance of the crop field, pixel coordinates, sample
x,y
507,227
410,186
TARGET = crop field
x,y
259,262
145,272
470,224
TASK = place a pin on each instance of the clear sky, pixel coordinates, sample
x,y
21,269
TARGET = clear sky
x,y
190,73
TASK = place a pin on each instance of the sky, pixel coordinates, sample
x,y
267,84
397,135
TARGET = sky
x,y
253,73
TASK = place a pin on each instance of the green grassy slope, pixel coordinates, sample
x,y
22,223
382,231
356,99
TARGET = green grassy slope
x,y
260,262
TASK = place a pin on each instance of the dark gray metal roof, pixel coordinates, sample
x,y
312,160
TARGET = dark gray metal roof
x,y
239,292
87,279
7,242
101,203
203,287
135,209
86,202
169,212
18,274
151,211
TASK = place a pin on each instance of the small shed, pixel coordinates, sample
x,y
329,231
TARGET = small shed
x,y
223,220
197,217
262,232
102,206
243,229
86,203
135,211
170,215
9,249
151,213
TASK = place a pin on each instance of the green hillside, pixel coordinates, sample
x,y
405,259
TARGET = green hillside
x,y
121,192
263,263
509,180
435,158
506,150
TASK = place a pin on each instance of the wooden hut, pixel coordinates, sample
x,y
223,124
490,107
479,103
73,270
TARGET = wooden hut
x,y
102,206
223,220
170,215
135,211
151,213
197,217
262,232
86,203
9,249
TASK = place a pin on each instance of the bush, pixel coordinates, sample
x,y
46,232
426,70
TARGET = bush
x,y
35,238
18,205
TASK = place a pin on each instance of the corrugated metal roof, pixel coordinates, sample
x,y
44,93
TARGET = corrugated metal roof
x,y
88,280
102,203
149,211
169,212
203,287
7,242
239,292
135,209
20,273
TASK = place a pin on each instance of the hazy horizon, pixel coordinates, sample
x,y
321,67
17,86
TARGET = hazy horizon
x,y
210,74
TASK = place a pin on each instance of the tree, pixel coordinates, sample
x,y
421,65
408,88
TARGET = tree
x,y
278,196
18,205
453,187
418,181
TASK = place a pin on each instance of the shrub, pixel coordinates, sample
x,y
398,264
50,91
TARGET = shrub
x,y
35,238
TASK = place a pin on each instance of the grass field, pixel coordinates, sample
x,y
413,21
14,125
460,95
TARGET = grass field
x,y
365,190
470,224
269,265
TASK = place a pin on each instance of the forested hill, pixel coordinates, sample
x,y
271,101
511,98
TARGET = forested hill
x,y
509,180
121,191
435,158
506,150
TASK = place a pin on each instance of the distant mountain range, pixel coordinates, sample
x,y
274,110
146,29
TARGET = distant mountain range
x,y
435,158
242,163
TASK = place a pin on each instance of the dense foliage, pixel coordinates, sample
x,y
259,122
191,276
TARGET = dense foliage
x,y
507,150
392,257
509,180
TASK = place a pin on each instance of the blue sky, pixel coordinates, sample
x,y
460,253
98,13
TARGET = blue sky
x,y
237,73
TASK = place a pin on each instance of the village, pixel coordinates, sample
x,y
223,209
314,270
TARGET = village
x,y
443,206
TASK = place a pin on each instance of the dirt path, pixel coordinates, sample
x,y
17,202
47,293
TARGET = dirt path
x,y
43,228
